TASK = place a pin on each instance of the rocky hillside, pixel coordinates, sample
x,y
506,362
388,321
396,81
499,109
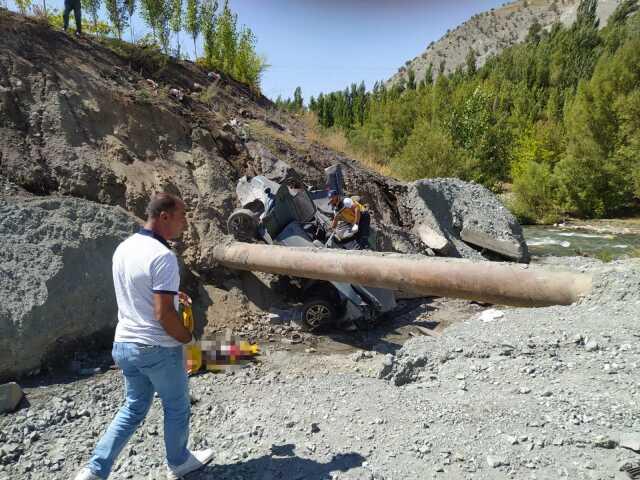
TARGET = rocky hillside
x,y
490,32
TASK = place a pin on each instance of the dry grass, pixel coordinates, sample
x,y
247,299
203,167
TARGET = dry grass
x,y
336,140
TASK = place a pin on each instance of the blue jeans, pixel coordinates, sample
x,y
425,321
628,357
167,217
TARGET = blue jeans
x,y
147,369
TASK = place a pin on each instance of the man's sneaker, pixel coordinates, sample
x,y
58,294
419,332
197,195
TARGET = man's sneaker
x,y
85,474
196,460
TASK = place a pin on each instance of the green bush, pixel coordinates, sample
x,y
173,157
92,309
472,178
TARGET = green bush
x,y
428,153
535,192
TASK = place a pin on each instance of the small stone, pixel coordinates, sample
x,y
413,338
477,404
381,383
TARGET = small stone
x,y
495,461
359,355
591,346
314,428
524,390
602,441
546,393
511,440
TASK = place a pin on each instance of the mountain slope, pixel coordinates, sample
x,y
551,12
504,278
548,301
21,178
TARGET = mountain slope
x,y
490,32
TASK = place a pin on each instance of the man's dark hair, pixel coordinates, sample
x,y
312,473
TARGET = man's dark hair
x,y
162,202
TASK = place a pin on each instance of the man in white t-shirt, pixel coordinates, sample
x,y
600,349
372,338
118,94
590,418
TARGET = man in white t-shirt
x,y
148,342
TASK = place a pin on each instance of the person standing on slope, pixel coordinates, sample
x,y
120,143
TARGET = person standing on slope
x,y
148,344
76,6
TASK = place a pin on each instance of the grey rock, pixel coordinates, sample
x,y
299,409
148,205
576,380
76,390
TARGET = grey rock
x,y
630,441
603,441
448,212
494,461
58,251
591,346
10,396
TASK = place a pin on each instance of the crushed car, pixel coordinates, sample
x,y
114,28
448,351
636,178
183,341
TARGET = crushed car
x,y
293,215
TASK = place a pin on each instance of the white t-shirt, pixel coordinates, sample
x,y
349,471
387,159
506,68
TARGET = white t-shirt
x,y
143,265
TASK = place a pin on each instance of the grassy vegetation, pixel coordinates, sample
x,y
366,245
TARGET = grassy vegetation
x,y
335,139
146,58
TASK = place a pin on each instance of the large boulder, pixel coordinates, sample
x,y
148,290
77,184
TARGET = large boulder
x,y
463,219
55,275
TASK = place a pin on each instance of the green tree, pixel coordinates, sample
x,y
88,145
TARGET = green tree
x,y
117,11
598,171
534,33
208,25
156,14
175,20
534,184
411,79
130,6
470,61
297,99
93,8
23,6
192,22
623,11
249,66
428,153
428,75
226,40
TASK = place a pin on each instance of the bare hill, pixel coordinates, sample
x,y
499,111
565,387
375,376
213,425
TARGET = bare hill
x,y
490,32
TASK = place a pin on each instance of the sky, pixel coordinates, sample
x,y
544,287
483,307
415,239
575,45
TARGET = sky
x,y
325,45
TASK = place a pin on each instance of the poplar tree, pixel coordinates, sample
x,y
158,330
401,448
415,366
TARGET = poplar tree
x,y
411,79
226,39
470,60
117,12
175,21
156,14
192,23
428,75
130,6
92,7
297,99
208,28
23,6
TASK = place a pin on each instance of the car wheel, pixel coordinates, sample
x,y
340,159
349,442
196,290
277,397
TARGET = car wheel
x,y
318,313
242,225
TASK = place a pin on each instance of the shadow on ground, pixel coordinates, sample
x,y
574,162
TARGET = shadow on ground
x,y
282,463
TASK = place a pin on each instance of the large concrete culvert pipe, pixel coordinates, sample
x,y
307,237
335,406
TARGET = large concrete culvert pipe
x,y
492,282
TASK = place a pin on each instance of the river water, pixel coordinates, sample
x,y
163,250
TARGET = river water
x,y
556,241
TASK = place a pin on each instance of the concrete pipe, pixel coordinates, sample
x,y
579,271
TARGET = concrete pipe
x,y
492,282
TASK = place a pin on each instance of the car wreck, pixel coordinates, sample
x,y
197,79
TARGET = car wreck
x,y
292,215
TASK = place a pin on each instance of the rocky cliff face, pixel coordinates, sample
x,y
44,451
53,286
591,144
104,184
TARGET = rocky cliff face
x,y
490,32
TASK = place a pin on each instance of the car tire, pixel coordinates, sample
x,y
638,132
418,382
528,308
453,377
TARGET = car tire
x,y
318,313
242,225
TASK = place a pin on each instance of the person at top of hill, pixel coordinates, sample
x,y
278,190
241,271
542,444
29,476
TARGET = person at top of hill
x,y
350,211
148,344
76,6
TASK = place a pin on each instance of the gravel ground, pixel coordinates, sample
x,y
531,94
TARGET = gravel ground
x,y
538,393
